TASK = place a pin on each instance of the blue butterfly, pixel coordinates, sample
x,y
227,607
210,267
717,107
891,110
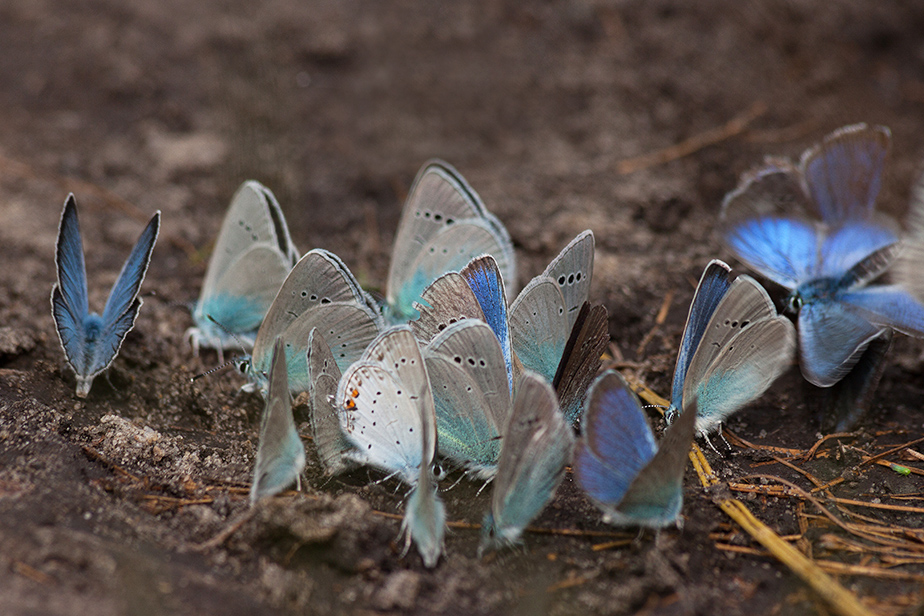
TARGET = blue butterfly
x,y
91,341
617,463
734,346
387,413
280,454
320,292
444,226
252,256
537,445
812,229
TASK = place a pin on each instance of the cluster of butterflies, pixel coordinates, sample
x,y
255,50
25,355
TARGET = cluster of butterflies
x,y
450,365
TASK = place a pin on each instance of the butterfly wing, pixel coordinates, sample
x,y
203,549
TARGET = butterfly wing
x,y
471,394
744,304
655,496
319,292
378,400
252,256
280,454
484,277
712,287
865,247
887,306
581,359
572,270
844,173
744,369
448,300
539,327
537,445
323,377
69,296
443,226
616,442
831,339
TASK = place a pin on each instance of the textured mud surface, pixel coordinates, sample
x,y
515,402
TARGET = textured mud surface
x,y
137,106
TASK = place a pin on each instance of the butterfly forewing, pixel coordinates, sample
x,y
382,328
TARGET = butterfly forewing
x,y
539,326
448,300
844,173
323,378
572,270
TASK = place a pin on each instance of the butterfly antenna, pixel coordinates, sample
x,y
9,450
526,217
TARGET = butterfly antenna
x,y
230,333
212,371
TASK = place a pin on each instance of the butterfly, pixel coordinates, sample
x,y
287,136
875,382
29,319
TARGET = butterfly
x,y
537,445
471,395
280,454
319,292
444,225
812,229
387,413
252,257
553,329
734,346
91,341
323,378
634,481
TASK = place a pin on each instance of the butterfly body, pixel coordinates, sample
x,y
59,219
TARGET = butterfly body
x,y
91,341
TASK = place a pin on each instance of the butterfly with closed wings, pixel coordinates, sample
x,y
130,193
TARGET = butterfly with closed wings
x,y
92,341
252,256
734,346
320,292
387,413
634,481
444,225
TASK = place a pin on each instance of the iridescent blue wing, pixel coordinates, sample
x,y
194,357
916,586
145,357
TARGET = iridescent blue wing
x,y
887,306
832,336
616,441
69,295
444,225
765,223
537,446
484,278
123,293
581,359
850,244
844,173
713,285
783,250
280,454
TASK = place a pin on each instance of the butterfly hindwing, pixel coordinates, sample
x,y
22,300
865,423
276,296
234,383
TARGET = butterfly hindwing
x,y
537,445
280,454
323,377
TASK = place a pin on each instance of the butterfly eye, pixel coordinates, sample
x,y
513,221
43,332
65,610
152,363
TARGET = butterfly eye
x,y
795,303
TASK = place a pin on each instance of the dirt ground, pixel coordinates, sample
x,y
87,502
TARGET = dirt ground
x,y
546,108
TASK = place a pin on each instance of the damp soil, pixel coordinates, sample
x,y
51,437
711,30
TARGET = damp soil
x,y
124,503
